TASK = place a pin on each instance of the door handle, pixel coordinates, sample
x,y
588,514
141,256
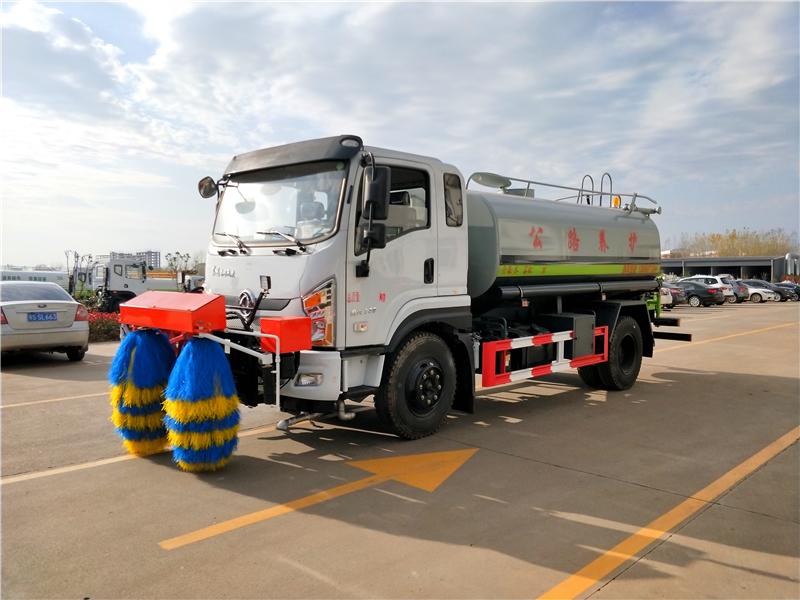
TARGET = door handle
x,y
428,278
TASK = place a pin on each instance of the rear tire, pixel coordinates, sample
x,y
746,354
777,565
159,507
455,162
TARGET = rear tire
x,y
591,376
418,387
76,354
625,349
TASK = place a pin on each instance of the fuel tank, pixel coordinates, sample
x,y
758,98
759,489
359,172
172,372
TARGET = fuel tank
x,y
522,241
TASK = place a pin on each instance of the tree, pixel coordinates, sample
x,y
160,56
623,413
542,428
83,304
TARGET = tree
x,y
743,242
179,262
199,265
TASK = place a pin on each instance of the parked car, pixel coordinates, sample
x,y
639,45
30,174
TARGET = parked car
x,y
698,293
715,280
759,293
665,296
740,290
41,316
678,294
782,293
791,286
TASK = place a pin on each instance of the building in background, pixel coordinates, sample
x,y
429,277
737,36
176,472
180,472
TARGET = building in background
x,y
769,268
151,258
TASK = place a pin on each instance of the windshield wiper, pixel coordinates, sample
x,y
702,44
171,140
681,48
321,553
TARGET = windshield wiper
x,y
286,236
243,249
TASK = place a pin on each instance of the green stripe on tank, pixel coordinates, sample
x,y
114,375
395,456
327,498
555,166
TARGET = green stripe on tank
x,y
549,270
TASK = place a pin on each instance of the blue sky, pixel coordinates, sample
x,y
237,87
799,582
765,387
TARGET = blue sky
x,y
113,111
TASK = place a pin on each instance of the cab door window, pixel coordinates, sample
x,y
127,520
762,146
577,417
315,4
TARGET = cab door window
x,y
453,202
409,205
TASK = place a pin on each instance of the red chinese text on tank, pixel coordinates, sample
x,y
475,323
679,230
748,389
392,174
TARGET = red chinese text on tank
x,y
537,243
603,245
632,240
573,240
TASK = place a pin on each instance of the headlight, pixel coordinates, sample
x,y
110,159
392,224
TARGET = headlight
x,y
320,306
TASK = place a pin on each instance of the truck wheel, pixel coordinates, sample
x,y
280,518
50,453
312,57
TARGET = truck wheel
x,y
624,356
591,376
418,387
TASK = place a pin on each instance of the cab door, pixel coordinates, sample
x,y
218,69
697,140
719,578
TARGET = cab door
x,y
404,273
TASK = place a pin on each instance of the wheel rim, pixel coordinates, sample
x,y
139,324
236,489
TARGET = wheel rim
x,y
694,301
755,298
424,387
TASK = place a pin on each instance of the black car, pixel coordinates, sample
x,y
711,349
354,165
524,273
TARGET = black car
x,y
792,287
678,294
784,294
700,294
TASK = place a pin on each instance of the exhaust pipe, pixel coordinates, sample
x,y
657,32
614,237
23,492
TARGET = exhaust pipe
x,y
341,413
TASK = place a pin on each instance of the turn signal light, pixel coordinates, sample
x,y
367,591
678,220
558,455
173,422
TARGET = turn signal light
x,y
320,306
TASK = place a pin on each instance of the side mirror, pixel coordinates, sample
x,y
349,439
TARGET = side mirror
x,y
207,187
373,236
377,181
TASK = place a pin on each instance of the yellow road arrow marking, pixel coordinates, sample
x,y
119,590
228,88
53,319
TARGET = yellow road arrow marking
x,y
423,471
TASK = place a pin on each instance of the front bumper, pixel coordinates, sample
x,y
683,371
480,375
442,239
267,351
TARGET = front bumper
x,y
326,363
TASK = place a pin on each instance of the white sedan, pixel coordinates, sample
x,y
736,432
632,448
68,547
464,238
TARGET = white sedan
x,y
760,294
41,316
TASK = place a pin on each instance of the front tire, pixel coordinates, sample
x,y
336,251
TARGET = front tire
x,y
625,350
755,298
694,301
418,387
731,299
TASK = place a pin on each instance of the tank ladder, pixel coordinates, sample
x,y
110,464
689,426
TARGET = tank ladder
x,y
503,184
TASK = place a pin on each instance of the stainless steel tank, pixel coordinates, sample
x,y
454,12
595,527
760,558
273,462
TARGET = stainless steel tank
x,y
522,241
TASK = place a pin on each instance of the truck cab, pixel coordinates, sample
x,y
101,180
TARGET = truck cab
x,y
295,217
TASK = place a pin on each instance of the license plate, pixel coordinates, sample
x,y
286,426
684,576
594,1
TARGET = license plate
x,y
42,317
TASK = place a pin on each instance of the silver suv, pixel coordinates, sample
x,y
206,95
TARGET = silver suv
x,y
716,281
741,291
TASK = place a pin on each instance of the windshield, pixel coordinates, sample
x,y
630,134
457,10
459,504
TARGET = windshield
x,y
301,201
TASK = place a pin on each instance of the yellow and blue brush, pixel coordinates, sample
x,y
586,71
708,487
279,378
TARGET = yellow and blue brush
x,y
202,407
139,374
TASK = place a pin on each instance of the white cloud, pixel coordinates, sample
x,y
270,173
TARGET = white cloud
x,y
664,96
